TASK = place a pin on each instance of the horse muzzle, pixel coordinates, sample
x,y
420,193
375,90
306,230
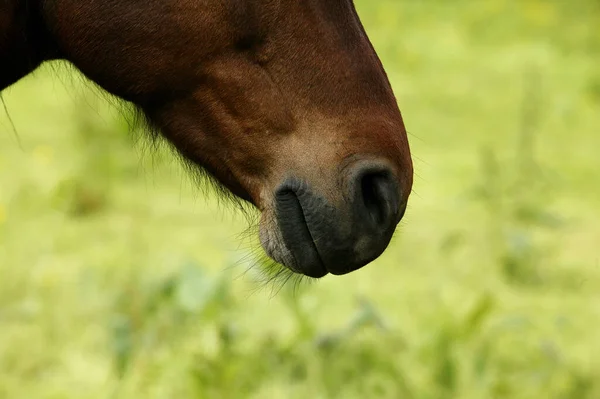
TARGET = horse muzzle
x,y
316,236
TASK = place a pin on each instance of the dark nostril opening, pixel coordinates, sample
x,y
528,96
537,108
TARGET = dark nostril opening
x,y
372,189
378,191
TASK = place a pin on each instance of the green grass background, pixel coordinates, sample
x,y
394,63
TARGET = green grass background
x,y
119,278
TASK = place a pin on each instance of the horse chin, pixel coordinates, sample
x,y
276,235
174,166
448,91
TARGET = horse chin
x,y
273,244
271,239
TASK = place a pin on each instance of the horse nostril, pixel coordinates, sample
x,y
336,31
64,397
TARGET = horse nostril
x,y
378,196
373,190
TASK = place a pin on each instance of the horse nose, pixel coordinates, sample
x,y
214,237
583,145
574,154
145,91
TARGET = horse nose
x,y
338,239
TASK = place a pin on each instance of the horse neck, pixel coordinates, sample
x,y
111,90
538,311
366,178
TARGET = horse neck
x,y
24,40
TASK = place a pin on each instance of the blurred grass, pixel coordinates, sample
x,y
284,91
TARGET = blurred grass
x,y
118,279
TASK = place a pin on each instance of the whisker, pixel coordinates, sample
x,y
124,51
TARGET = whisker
x,y
12,123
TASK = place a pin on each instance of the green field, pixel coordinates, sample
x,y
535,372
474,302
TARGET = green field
x,y
119,278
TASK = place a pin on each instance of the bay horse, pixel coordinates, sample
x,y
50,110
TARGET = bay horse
x,y
284,103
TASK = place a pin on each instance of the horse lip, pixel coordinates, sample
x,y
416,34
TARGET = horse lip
x,y
315,272
297,236
317,269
